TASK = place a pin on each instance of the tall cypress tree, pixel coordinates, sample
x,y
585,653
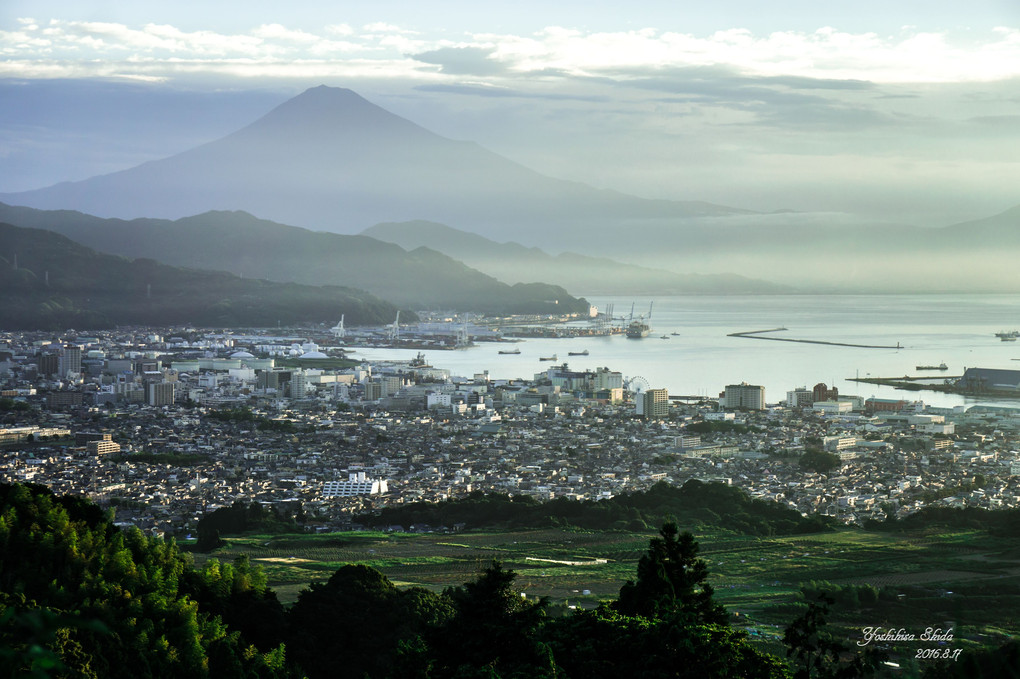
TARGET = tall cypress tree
x,y
671,579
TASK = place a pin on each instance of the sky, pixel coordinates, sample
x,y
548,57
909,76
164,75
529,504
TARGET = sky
x,y
905,111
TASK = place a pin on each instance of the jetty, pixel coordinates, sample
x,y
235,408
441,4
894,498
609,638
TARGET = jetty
x,y
761,335
946,385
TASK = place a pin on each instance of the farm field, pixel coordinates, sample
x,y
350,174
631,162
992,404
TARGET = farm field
x,y
967,578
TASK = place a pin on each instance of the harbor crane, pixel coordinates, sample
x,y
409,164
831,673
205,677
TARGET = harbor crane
x,y
394,329
338,330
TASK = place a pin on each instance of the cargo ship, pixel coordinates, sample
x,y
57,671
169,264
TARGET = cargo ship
x,y
638,329
940,366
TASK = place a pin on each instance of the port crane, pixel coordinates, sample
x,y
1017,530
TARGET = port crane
x,y
338,330
394,329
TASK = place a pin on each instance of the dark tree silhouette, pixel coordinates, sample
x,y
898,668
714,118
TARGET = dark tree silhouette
x,y
670,578
816,653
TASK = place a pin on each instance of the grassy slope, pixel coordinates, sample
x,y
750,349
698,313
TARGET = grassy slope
x,y
758,577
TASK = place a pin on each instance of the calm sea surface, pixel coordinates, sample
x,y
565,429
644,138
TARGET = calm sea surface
x,y
701,360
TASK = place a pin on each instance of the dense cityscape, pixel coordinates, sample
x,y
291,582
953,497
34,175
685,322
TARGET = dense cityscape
x,y
169,424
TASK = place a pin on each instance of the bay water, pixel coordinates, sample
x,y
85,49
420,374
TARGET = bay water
x,y
689,350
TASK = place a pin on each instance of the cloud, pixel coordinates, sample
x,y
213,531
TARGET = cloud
x,y
463,60
482,90
339,29
823,59
826,55
281,32
474,90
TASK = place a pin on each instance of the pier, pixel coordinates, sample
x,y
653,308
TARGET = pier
x,y
948,386
760,335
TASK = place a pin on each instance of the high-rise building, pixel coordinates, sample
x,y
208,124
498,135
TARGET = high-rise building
x,y
607,379
744,395
373,390
822,393
161,394
49,364
652,404
800,397
70,361
299,384
391,385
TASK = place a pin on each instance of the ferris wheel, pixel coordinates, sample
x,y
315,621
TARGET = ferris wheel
x,y
637,384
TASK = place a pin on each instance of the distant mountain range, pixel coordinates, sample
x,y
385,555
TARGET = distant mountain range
x,y
328,159
512,262
49,282
332,161
254,248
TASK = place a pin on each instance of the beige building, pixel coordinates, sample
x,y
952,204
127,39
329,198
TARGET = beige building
x,y
161,394
652,404
744,395
103,446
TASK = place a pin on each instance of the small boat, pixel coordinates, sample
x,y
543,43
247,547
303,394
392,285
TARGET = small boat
x,y
675,334
512,352
1008,339
548,358
940,366
664,337
577,353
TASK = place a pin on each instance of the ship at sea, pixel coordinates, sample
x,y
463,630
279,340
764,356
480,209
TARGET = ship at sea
x,y
513,352
940,366
639,327
578,353
547,358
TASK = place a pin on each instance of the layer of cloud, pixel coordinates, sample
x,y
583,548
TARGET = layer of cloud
x,y
823,58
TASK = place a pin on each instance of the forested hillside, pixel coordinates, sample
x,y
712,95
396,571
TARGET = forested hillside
x,y
80,597
695,503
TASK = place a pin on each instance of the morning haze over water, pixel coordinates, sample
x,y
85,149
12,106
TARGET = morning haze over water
x,y
701,359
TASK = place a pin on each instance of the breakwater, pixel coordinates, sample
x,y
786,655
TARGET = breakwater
x,y
948,386
761,335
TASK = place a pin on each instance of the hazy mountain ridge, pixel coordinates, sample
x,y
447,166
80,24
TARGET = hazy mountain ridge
x,y
48,281
1004,227
830,253
329,159
512,262
251,247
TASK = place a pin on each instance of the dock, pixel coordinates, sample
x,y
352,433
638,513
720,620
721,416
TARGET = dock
x,y
948,386
760,335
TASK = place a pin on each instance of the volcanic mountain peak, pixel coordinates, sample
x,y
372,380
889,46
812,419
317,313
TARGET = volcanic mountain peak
x,y
329,159
334,111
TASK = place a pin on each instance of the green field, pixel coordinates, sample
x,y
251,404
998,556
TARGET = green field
x,y
966,578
